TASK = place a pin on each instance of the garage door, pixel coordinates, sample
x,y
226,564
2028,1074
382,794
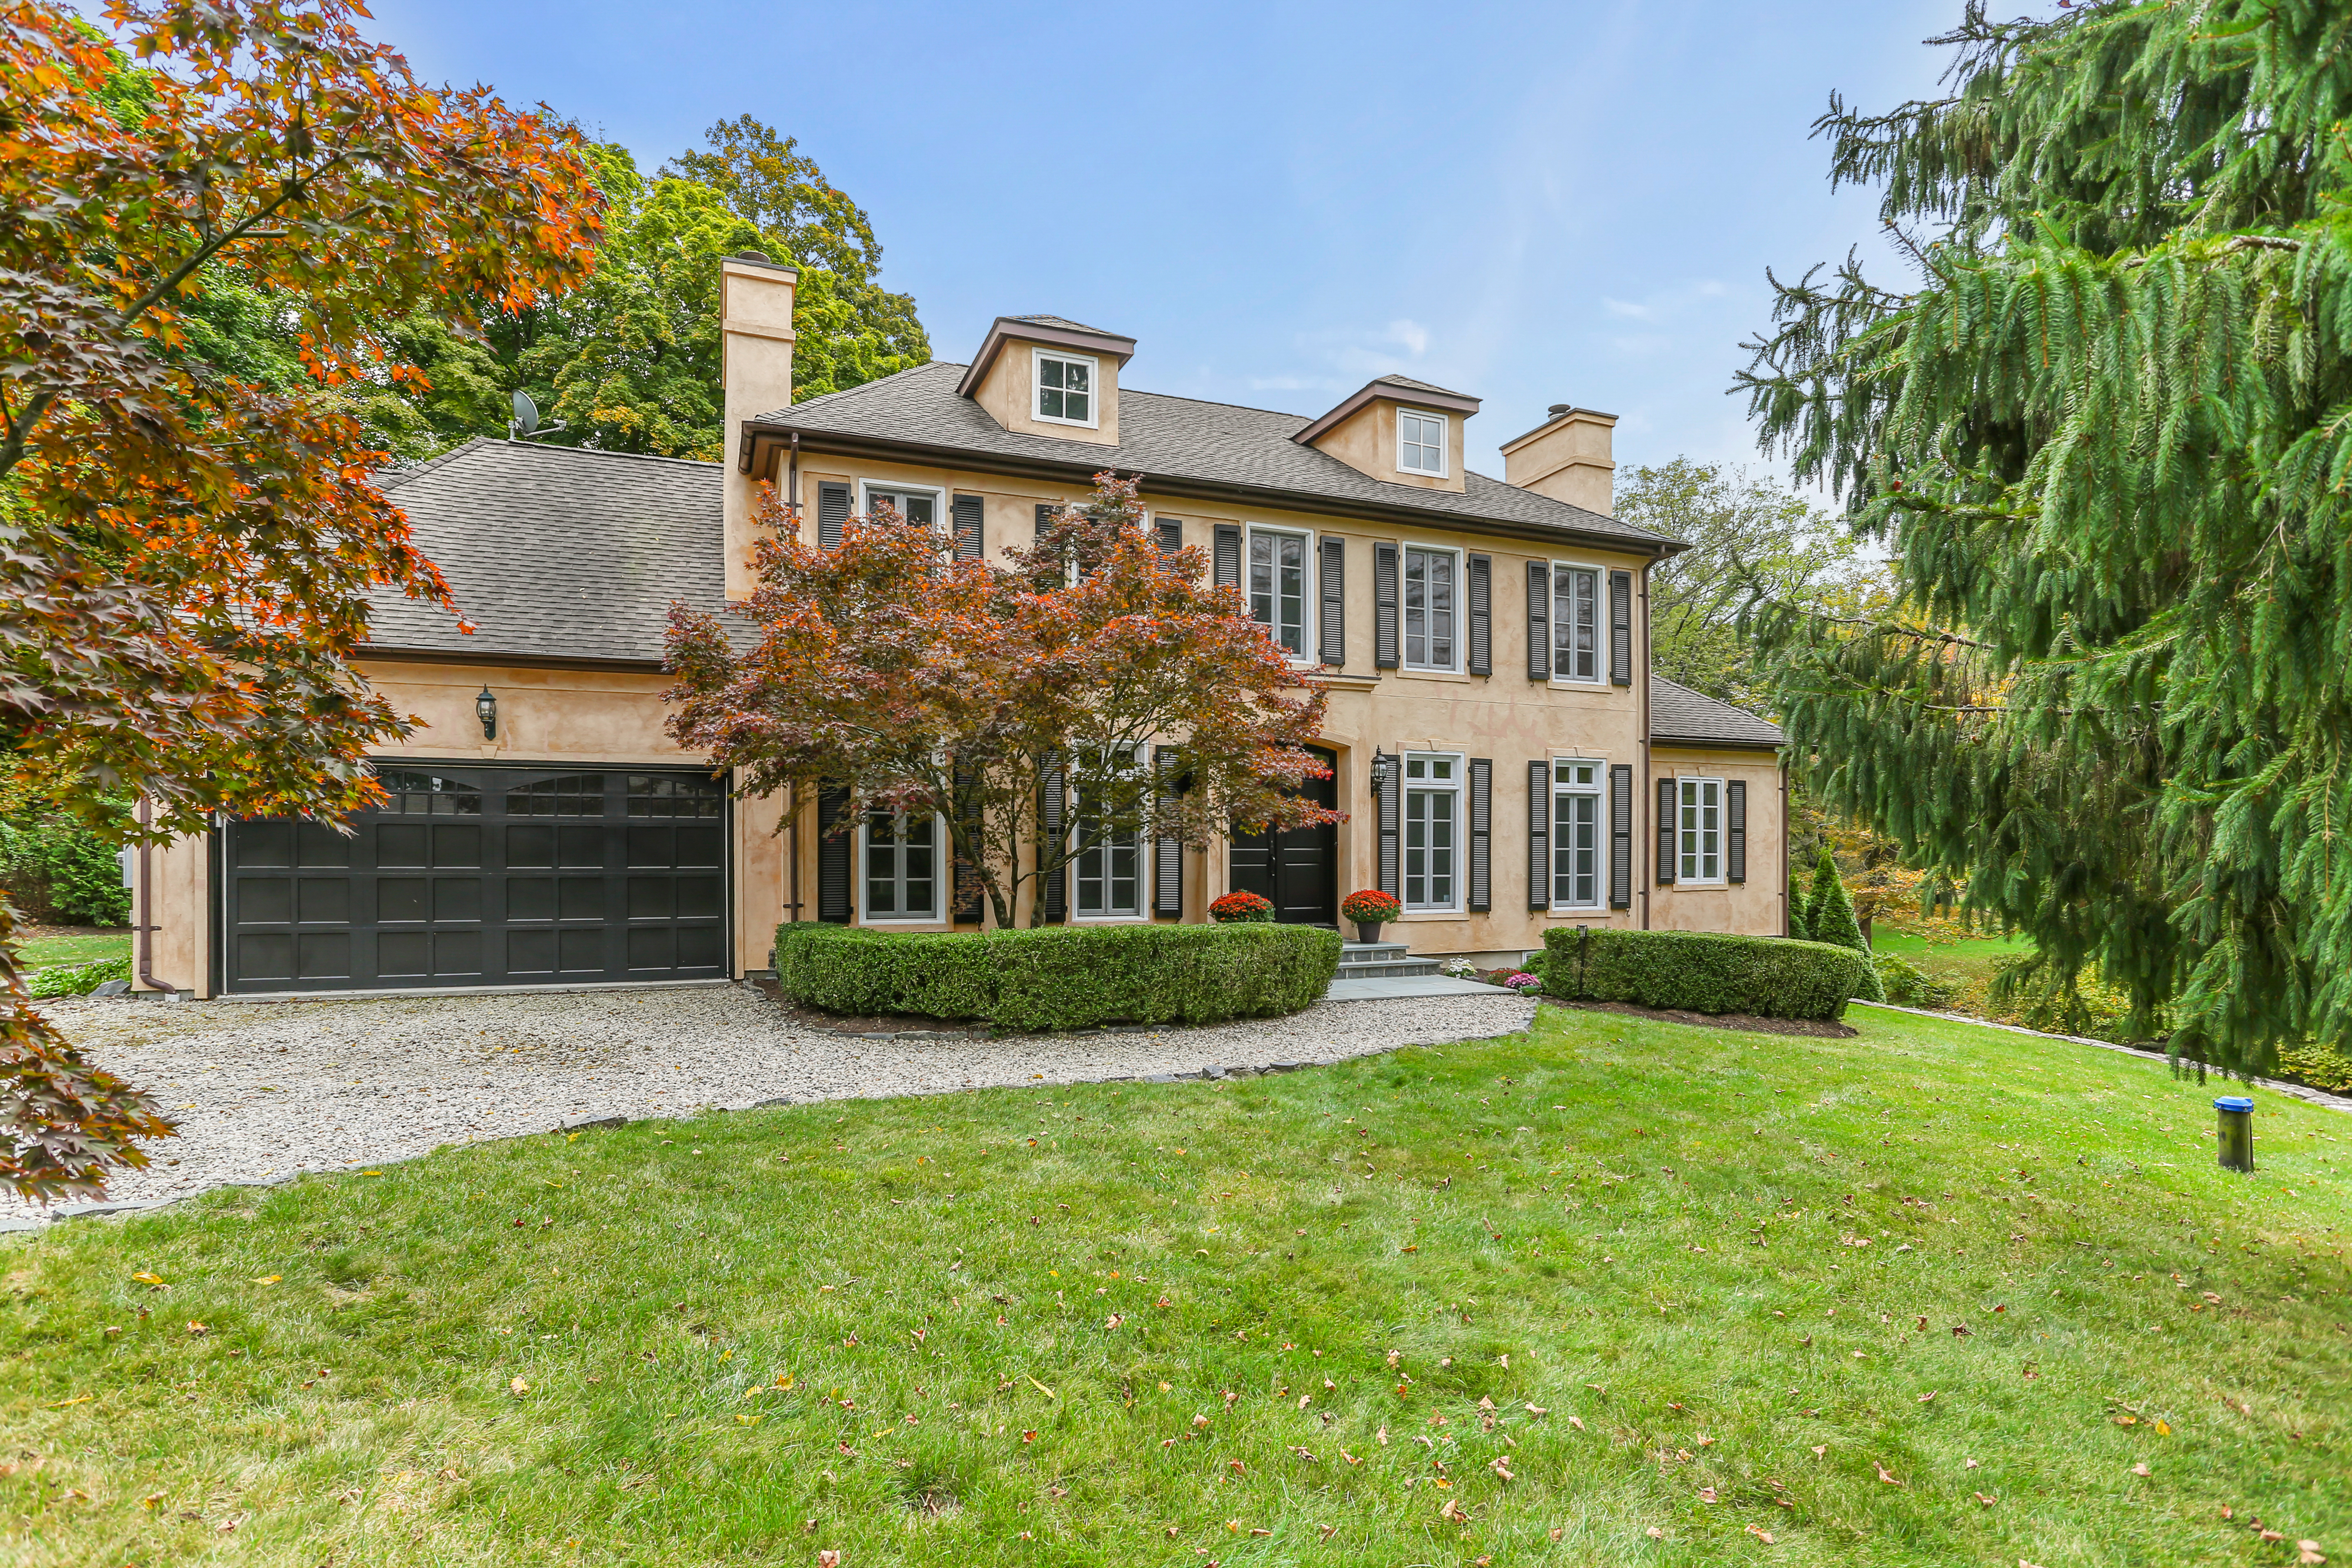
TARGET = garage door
x,y
484,877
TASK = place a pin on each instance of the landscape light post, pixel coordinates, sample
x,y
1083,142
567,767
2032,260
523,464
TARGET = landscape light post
x,y
2237,1131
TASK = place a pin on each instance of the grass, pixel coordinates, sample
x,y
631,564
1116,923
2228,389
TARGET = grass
x,y
80,948
1290,1320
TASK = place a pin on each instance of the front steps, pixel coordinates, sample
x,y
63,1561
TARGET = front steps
x,y
1381,960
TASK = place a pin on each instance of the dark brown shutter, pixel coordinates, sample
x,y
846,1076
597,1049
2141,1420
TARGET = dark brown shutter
x,y
836,855
1481,573
1227,556
1333,634
971,901
966,512
1053,836
1047,513
1482,835
1385,653
1540,836
1621,837
1538,621
1621,628
1665,831
1171,531
832,513
1167,852
1735,823
1392,821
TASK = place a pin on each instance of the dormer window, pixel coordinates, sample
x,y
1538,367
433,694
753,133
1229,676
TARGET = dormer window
x,y
1065,389
1421,443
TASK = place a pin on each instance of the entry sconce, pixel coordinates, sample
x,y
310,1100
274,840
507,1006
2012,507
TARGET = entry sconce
x,y
485,709
1384,770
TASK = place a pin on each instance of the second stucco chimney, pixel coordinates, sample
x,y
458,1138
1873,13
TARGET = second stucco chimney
x,y
1565,457
755,349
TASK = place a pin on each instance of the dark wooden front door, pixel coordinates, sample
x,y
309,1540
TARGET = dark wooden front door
x,y
1297,871
484,877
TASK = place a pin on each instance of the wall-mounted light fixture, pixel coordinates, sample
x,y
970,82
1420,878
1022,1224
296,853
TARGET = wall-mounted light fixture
x,y
485,709
1384,770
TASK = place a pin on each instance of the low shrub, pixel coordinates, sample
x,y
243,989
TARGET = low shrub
x,y
76,979
1242,909
1907,984
1061,977
59,871
1702,971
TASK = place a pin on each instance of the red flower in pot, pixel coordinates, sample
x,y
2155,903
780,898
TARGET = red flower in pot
x,y
1370,909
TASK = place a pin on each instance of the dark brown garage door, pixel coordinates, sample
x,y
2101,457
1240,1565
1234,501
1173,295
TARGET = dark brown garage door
x,y
484,877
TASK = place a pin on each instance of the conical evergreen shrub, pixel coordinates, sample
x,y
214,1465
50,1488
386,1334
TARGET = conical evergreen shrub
x,y
1800,909
1832,920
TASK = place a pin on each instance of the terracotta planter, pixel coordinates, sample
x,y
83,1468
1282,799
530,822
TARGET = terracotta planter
x,y
1368,931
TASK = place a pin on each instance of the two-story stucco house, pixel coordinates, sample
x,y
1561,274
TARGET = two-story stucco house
x,y
1506,760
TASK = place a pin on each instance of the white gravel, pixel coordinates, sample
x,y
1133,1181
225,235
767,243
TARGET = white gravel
x,y
262,1090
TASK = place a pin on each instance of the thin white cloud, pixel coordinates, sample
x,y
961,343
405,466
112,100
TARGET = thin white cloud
x,y
1627,308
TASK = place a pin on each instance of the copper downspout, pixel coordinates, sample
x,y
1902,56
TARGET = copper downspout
x,y
143,908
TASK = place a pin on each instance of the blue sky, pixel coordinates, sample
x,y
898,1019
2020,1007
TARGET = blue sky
x,y
1531,204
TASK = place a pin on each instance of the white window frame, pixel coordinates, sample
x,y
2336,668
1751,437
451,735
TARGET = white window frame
x,y
941,892
1690,840
1304,654
1142,911
1445,441
1404,621
1596,791
868,489
1037,358
1599,675
1457,871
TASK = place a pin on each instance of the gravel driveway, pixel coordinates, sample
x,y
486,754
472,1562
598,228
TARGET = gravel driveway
x,y
261,1090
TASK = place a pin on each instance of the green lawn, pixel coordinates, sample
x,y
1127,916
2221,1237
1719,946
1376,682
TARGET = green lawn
x,y
88,948
1291,1319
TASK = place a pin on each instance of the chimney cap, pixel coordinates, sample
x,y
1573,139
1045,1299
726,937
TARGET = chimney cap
x,y
1558,409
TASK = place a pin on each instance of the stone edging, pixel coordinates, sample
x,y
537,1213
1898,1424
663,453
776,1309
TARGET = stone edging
x,y
2319,1097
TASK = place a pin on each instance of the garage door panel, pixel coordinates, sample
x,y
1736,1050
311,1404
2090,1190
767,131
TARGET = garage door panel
x,y
483,877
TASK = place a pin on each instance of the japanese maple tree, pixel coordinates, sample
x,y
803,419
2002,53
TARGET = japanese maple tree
x,y
186,559
918,682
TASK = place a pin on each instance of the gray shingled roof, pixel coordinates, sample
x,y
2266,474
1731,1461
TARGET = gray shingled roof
x,y
1176,438
556,551
1419,386
1063,321
1679,716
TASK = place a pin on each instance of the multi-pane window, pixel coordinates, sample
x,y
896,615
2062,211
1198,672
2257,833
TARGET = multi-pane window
x,y
1277,587
1110,855
674,795
573,794
1429,609
1576,623
915,506
428,795
1421,442
1432,818
1700,830
902,865
1576,836
1065,389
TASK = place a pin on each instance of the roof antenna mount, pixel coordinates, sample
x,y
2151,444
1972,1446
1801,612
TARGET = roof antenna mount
x,y
525,423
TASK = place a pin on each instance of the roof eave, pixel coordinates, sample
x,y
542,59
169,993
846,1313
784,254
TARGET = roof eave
x,y
1118,347
1714,743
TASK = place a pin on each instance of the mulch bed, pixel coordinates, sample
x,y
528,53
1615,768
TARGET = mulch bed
x,y
1823,1028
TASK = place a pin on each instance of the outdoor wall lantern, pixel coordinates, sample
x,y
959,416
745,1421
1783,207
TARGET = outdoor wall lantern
x,y
1384,770
485,709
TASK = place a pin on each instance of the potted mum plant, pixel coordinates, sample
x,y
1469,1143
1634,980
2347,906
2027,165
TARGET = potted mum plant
x,y
1242,909
1370,909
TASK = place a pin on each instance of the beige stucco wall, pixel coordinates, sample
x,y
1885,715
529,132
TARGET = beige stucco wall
x,y
1757,907
583,718
1006,392
1366,441
756,370
1568,459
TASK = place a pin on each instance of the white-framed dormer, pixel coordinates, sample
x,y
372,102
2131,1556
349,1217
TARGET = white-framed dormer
x,y
1579,618
927,504
1065,387
1432,608
1700,860
1278,586
1422,439
1579,869
902,869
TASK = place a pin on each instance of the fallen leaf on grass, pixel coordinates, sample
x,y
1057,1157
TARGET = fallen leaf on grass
x,y
1928,1397
1983,1499
1760,1533
1655,1534
2140,1470
77,1399
517,1387
1576,1422
1883,1476
827,1557
1706,1494
2310,1550
269,1279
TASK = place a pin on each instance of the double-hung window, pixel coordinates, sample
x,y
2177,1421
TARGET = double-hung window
x,y
1432,831
1429,601
1576,835
1576,623
902,865
1421,443
1065,388
1699,830
1278,588
915,506
1110,857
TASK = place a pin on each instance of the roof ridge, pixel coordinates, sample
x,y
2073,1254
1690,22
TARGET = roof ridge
x,y
402,476
392,478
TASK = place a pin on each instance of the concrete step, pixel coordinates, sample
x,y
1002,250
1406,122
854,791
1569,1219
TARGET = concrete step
x,y
1382,960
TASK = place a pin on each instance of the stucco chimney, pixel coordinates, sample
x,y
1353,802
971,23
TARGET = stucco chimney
x,y
1565,457
755,312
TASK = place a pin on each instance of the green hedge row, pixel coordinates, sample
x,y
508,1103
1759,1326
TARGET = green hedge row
x,y
1060,977
1701,971
76,979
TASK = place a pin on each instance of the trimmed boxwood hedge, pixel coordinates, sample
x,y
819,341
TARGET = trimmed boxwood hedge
x,y
1702,971
1060,977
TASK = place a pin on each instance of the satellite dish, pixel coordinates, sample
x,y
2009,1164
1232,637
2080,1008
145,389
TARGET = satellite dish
x,y
525,423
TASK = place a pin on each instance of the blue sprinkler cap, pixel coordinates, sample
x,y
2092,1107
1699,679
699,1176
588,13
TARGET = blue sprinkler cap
x,y
2233,1102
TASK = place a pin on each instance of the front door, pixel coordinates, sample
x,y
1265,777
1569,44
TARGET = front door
x,y
1297,871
